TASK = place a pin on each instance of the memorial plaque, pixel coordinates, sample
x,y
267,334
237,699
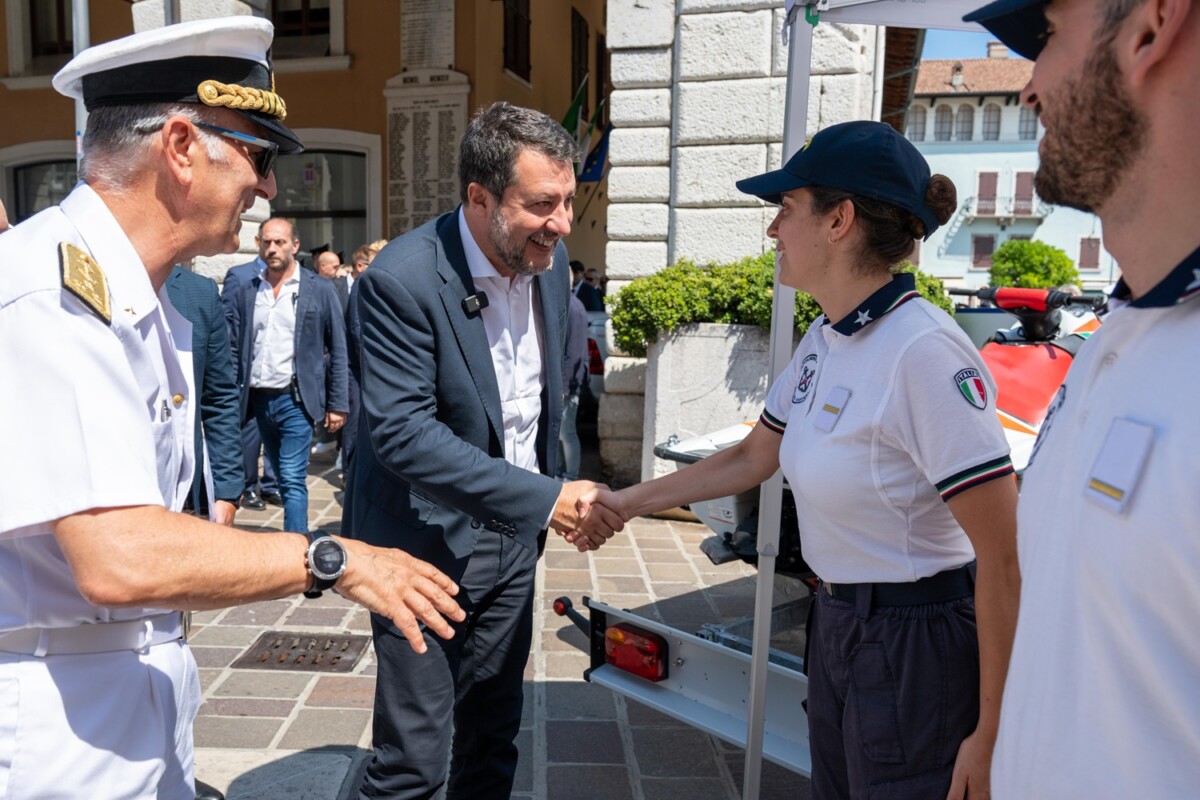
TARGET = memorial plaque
x,y
426,34
427,112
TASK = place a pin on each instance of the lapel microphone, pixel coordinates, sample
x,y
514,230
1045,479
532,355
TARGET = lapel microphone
x,y
474,303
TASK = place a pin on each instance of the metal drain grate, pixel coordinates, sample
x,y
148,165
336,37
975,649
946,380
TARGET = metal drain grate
x,y
288,651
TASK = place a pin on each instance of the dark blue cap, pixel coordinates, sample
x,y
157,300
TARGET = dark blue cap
x,y
1020,24
867,158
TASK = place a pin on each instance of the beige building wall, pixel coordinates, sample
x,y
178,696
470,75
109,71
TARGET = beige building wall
x,y
331,96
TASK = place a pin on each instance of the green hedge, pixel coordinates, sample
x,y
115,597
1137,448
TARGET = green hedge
x,y
739,293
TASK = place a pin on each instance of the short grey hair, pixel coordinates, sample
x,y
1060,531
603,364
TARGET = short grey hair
x,y
117,138
495,137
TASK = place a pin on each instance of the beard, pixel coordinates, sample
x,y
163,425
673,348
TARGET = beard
x,y
509,250
1097,135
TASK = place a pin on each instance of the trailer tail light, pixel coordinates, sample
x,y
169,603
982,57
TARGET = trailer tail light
x,y
636,651
595,362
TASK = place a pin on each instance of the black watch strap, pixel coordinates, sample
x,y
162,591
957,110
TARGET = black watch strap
x,y
319,585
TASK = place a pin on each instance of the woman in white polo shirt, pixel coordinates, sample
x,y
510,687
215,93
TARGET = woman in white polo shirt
x,y
885,425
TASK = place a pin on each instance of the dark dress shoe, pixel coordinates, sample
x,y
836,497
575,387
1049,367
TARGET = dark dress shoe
x,y
252,501
274,498
206,792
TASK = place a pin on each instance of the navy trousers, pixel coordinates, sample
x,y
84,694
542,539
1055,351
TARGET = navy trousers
x,y
464,696
892,692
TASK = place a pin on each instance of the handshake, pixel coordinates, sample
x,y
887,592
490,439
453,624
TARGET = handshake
x,y
587,514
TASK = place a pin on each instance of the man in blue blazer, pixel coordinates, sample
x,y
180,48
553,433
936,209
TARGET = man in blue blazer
x,y
218,435
289,341
257,493
463,324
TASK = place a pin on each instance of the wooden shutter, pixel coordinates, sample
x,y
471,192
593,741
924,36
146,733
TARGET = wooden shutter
x,y
1023,201
986,196
1089,253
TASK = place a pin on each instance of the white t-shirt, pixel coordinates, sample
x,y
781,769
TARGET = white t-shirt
x,y
885,415
99,414
1103,692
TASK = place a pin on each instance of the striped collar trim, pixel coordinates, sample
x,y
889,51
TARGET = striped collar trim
x,y
901,289
1180,285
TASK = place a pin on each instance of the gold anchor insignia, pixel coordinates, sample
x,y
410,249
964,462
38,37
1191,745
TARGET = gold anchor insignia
x,y
82,276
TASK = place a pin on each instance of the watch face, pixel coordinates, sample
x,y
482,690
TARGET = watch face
x,y
328,559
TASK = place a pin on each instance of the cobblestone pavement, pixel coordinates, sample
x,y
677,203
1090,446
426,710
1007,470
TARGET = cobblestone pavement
x,y
263,735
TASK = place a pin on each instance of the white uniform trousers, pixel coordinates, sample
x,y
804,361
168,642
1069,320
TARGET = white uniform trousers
x,y
102,726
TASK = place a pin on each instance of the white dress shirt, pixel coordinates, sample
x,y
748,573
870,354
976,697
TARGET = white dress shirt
x,y
514,333
274,353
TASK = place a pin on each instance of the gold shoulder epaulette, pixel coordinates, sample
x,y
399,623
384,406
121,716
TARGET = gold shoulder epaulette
x,y
82,276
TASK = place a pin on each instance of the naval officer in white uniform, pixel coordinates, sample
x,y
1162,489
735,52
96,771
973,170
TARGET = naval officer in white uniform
x,y
98,690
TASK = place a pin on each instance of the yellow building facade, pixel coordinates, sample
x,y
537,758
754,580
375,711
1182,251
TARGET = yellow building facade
x,y
378,90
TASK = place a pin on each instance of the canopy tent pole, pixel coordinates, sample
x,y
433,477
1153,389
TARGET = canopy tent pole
x,y
770,500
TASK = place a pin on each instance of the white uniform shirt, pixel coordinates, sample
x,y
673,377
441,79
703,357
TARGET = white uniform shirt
x,y
885,415
515,339
273,355
100,415
1103,692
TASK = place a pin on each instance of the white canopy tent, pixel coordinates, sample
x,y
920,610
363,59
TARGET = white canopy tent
x,y
942,14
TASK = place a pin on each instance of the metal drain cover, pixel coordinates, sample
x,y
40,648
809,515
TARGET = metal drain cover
x,y
289,651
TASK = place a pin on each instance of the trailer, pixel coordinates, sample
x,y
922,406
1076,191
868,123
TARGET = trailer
x,y
719,682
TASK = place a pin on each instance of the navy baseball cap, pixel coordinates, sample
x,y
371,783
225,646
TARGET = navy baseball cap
x,y
867,158
1020,24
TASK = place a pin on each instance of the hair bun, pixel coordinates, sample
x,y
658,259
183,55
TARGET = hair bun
x,y
941,198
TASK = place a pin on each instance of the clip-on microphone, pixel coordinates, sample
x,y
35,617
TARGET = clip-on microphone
x,y
474,303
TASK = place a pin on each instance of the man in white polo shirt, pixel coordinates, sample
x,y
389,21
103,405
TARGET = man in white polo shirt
x,y
1103,693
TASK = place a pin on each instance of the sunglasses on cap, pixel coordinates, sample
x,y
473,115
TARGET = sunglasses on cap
x,y
264,159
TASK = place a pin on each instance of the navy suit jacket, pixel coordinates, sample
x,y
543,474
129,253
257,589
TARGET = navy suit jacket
x,y
429,471
218,417
320,332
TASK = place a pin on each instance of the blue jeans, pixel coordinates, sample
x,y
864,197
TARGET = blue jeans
x,y
286,436
568,439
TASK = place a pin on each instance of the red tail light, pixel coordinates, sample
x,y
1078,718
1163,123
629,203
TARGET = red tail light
x,y
595,362
636,651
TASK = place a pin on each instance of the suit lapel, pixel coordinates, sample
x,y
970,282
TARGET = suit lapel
x,y
468,330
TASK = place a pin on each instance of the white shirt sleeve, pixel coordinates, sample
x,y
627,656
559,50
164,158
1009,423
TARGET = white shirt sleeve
x,y
942,411
76,428
785,393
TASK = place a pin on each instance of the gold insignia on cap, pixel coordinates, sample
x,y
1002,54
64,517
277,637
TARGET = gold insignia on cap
x,y
82,276
242,98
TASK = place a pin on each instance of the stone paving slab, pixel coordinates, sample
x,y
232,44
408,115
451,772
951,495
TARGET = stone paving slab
x,y
272,735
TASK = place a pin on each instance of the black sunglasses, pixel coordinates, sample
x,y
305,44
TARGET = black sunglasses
x,y
264,159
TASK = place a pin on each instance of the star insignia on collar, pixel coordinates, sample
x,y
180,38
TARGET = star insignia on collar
x,y
863,317
1195,284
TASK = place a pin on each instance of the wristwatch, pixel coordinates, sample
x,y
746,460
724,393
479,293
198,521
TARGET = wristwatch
x,y
325,560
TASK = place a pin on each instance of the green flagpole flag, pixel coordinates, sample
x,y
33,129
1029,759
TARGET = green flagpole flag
x,y
585,146
571,120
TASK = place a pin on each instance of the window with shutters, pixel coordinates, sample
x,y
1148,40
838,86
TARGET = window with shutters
x,y
943,123
916,124
39,186
985,198
50,35
1027,130
301,28
1089,252
991,122
982,247
964,127
516,38
1023,194
601,80
579,62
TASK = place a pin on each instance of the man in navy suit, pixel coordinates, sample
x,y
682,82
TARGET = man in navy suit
x,y
285,322
463,324
218,438
257,493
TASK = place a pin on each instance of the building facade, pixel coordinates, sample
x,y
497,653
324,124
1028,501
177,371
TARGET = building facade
x,y
379,91
967,119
